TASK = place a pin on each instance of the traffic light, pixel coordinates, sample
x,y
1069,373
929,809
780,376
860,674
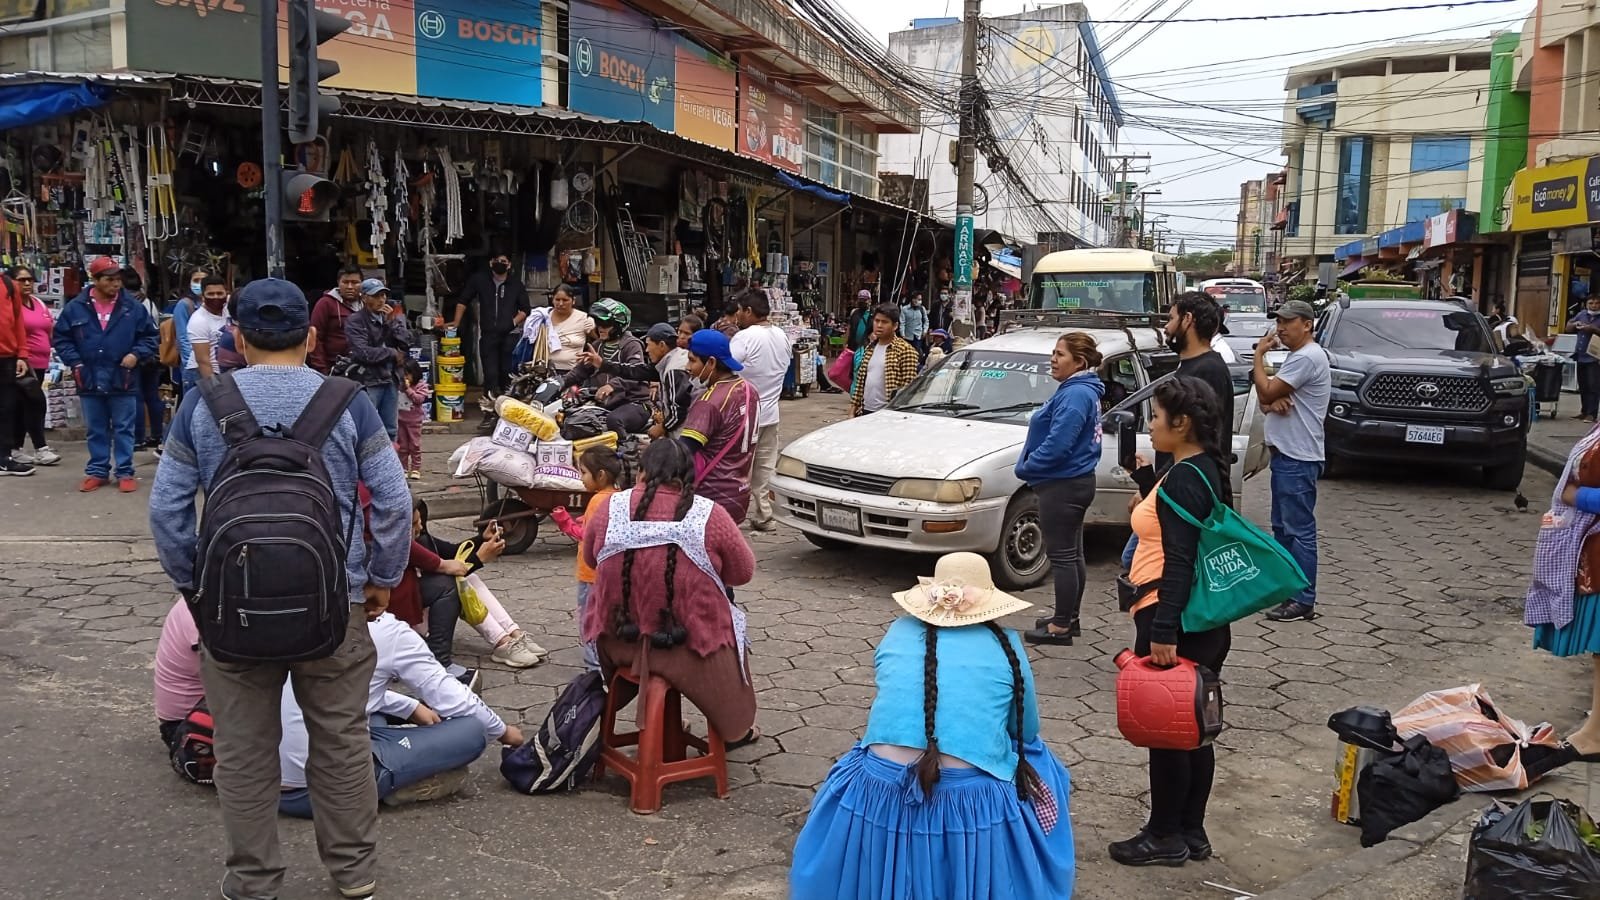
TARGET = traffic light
x,y
307,197
310,27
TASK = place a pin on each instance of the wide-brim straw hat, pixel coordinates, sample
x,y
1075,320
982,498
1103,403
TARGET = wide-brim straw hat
x,y
961,592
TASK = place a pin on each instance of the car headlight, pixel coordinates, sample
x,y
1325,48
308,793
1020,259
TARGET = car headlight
x,y
1510,385
1344,378
937,491
789,467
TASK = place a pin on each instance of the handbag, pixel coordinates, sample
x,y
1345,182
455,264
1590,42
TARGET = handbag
x,y
473,610
1239,569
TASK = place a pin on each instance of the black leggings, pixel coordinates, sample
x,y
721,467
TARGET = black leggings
x,y
1180,780
443,604
28,421
629,418
1062,507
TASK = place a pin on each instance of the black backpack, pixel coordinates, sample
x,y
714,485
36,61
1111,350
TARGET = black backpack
x,y
271,585
563,753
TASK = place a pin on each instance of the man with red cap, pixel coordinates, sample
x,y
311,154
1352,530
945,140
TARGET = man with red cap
x,y
103,335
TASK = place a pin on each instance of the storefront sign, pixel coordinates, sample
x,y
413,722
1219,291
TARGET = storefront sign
x,y
708,91
1441,229
621,65
481,50
1556,196
771,122
963,262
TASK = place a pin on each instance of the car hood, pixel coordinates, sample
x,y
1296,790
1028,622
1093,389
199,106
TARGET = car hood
x,y
1441,362
906,445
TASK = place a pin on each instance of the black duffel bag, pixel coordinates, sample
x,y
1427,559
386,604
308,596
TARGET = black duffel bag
x,y
1400,789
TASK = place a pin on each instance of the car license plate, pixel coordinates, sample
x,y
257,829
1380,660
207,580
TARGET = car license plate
x,y
841,518
1424,434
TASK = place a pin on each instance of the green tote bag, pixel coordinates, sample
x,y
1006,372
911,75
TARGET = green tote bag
x,y
1239,569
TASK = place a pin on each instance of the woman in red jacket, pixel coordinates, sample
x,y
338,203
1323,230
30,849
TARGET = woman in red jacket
x,y
13,368
38,323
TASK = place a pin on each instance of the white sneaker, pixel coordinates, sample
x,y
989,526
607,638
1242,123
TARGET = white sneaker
x,y
518,654
24,457
44,456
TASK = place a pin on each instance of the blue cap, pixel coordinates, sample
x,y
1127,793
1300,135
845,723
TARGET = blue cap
x,y
272,305
372,287
709,343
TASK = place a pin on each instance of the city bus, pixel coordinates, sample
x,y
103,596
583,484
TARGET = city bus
x,y
1104,278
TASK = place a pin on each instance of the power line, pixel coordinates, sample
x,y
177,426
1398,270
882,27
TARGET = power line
x,y
1276,16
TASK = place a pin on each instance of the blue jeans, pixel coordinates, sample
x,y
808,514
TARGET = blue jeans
x,y
591,654
191,378
426,751
386,397
1128,551
1294,515
109,419
151,409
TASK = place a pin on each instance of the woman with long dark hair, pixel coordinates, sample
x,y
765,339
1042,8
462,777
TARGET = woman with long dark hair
x,y
664,560
950,793
1187,423
38,324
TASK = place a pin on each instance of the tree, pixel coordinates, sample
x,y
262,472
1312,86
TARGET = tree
x,y
1205,263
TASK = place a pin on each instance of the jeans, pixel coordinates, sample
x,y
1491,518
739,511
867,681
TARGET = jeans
x,y
591,655
1062,507
386,397
246,702
1180,780
443,603
191,379
151,408
1294,516
109,419
403,755
1128,551
1589,386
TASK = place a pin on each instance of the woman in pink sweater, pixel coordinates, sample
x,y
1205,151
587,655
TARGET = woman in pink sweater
x,y
37,324
664,561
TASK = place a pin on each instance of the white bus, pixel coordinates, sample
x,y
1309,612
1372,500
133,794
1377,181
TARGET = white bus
x,y
1241,294
1111,279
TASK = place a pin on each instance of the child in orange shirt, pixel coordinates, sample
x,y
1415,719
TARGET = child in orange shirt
x,y
601,468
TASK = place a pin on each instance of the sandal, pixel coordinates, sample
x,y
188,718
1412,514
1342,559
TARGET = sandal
x,y
750,737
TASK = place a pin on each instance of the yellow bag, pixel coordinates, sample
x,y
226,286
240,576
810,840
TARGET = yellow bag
x,y
473,612
518,413
607,439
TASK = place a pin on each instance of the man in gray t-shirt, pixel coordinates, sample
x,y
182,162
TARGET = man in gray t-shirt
x,y
1295,401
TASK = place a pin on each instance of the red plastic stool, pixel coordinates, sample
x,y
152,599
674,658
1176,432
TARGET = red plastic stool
x,y
662,756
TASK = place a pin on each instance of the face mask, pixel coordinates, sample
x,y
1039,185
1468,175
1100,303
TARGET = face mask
x,y
500,268
195,288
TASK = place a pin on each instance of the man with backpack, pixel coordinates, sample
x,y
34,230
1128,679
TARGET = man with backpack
x,y
276,575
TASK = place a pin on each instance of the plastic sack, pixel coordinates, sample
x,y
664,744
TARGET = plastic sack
x,y
518,413
467,456
512,468
1400,789
1536,851
473,611
1486,748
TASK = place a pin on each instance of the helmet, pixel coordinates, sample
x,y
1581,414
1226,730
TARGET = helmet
x,y
612,312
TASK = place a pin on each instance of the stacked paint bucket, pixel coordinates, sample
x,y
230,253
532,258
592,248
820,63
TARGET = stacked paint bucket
x,y
450,397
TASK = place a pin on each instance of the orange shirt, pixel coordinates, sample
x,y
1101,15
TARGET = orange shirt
x,y
1149,560
586,574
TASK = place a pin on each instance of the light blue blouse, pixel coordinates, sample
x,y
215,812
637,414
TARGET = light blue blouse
x,y
973,719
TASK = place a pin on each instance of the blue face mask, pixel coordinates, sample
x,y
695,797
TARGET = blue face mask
x,y
195,288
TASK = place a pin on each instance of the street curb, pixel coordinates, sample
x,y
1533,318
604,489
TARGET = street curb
x,y
1403,843
1547,460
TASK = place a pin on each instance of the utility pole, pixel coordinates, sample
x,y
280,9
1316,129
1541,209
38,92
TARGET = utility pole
x,y
1142,196
961,325
1123,235
271,139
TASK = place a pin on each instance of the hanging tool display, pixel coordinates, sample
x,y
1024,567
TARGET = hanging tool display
x,y
453,229
402,207
161,221
377,203
425,189
126,143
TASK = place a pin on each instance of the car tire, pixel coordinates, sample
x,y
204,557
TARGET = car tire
x,y
1334,467
825,543
1020,561
1507,477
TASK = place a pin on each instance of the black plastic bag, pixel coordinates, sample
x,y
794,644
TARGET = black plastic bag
x,y
1507,862
1400,789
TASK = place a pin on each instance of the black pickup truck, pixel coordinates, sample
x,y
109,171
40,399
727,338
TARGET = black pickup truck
x,y
1421,381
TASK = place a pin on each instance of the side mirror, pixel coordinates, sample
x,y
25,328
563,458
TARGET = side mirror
x,y
1125,426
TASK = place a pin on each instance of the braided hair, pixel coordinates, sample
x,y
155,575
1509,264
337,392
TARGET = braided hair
x,y
928,762
671,464
1028,784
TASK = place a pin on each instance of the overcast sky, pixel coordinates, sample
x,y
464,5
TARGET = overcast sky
x,y
1220,65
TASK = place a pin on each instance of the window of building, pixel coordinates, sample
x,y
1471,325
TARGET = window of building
x,y
1419,65
1355,182
1444,153
1470,62
841,154
1377,69
1421,208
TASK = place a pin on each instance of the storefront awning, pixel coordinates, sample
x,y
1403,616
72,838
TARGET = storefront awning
x,y
1006,267
1353,268
22,105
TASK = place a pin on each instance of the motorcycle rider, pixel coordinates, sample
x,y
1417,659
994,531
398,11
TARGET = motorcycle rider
x,y
668,367
624,399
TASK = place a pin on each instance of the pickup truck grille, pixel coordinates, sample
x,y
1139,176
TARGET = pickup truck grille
x,y
849,481
1441,393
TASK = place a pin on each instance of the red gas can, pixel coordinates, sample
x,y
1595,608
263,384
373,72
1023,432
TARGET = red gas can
x,y
1177,708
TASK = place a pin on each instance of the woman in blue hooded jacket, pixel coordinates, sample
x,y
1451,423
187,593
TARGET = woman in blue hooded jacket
x,y
1058,462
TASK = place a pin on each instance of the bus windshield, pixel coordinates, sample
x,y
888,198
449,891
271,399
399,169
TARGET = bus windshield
x,y
1129,292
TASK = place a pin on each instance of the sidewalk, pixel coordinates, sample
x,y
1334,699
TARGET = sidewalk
x,y
1551,439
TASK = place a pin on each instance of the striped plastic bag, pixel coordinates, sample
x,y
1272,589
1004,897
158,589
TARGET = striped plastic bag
x,y
1485,746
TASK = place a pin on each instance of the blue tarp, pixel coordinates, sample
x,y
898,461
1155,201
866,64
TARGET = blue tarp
x,y
29,104
789,181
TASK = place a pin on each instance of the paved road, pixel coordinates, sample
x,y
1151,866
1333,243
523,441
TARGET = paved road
x,y
1421,586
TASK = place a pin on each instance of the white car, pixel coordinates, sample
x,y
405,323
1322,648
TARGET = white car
x,y
933,472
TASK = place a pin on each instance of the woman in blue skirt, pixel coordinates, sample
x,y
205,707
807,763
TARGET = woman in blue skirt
x,y
950,794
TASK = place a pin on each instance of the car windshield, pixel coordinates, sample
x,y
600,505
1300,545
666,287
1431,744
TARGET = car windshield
x,y
976,384
1388,328
1247,326
1132,292
1241,298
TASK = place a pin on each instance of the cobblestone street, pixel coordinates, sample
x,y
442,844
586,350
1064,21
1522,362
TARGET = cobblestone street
x,y
1420,588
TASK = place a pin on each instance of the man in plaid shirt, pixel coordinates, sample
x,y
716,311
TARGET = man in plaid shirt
x,y
884,365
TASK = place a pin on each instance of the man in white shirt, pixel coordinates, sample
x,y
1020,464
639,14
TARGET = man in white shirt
x,y
206,325
428,760
766,353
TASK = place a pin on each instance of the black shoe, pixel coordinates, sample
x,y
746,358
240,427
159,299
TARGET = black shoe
x,y
470,679
831,390
1075,629
1146,849
1292,611
1043,635
1199,845
9,466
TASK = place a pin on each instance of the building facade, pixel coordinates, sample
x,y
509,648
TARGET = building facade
x,y
1047,172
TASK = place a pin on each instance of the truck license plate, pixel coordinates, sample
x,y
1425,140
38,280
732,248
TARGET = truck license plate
x,y
1424,434
841,518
